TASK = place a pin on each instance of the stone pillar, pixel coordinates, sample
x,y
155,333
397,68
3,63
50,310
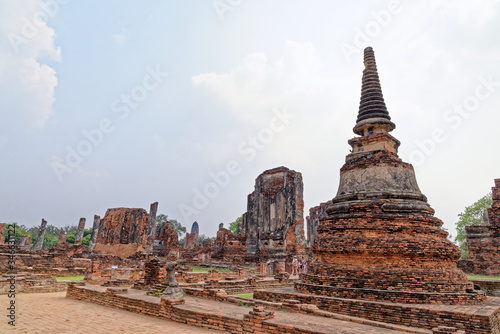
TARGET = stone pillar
x,y
151,227
62,238
95,230
79,232
22,241
41,235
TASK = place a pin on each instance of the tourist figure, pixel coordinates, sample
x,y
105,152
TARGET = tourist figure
x,y
295,265
303,265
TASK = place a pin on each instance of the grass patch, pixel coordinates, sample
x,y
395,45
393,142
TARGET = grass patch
x,y
204,269
474,276
246,295
69,278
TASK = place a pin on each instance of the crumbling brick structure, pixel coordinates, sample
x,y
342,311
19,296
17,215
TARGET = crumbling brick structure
x,y
62,239
201,253
380,239
229,247
167,242
315,213
483,241
192,238
122,232
274,222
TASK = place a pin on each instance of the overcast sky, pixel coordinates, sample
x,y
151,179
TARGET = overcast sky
x,y
109,104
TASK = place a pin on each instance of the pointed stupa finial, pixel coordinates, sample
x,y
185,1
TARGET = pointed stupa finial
x,y
372,110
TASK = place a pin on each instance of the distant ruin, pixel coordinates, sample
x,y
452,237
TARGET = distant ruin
x,y
483,241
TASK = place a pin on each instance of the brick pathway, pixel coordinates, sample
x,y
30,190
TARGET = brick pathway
x,y
40,313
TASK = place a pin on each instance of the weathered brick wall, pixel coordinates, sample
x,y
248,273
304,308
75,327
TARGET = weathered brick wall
x,y
229,247
483,241
315,213
274,221
190,240
166,242
123,232
201,253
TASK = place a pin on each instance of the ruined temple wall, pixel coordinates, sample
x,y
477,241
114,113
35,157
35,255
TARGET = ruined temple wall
x,y
123,232
274,221
229,247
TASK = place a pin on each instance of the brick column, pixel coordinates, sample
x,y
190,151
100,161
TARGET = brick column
x,y
95,230
41,235
79,232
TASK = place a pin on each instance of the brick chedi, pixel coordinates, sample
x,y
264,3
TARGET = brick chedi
x,y
380,240
274,221
483,241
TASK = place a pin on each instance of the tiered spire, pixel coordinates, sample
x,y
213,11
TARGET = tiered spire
x,y
372,109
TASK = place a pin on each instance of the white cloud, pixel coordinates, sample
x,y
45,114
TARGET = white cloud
x,y
121,37
28,84
256,86
38,81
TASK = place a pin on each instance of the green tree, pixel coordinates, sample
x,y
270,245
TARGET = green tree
x,y
233,227
20,230
472,215
203,237
51,236
160,219
70,238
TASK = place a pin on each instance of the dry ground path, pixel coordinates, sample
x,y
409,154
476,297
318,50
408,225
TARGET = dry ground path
x,y
44,313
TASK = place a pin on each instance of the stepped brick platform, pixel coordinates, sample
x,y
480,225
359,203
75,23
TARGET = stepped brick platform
x,y
484,318
29,283
229,317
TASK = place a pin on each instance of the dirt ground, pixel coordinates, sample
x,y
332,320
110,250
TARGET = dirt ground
x,y
38,313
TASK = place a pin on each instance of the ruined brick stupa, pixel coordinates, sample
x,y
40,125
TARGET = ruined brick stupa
x,y
380,240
